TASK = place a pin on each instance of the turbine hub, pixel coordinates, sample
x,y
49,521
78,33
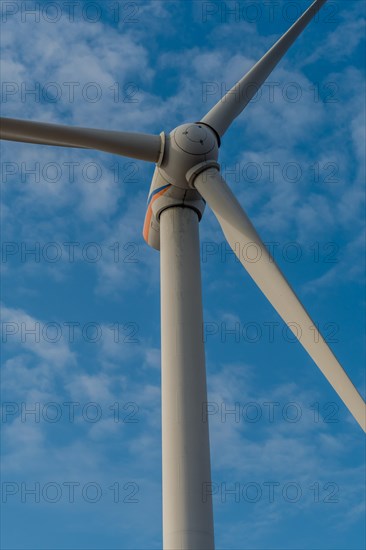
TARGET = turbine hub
x,y
195,139
186,147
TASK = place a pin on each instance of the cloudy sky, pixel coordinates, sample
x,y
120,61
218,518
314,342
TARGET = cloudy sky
x,y
80,303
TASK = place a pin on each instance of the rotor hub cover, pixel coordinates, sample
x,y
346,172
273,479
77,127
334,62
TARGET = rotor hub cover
x,y
195,139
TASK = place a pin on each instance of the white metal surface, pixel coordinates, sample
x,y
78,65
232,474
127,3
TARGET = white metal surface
x,y
232,104
135,145
187,508
253,254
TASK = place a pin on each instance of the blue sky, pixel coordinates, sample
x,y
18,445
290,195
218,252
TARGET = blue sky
x,y
90,290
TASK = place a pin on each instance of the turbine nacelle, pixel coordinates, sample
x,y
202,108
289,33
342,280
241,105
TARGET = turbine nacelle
x,y
188,150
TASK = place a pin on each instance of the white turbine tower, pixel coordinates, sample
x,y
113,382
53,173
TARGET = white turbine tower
x,y
186,176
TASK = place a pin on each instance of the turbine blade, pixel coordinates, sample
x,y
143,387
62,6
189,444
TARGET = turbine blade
x,y
138,146
241,234
234,102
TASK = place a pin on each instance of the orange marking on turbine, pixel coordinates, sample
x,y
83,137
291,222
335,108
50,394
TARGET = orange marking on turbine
x,y
149,214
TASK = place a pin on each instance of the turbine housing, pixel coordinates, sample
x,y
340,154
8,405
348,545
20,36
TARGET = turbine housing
x,y
187,150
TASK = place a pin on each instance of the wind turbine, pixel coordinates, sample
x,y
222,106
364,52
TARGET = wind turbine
x,y
186,177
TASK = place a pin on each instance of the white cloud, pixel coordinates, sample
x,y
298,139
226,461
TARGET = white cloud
x,y
37,337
